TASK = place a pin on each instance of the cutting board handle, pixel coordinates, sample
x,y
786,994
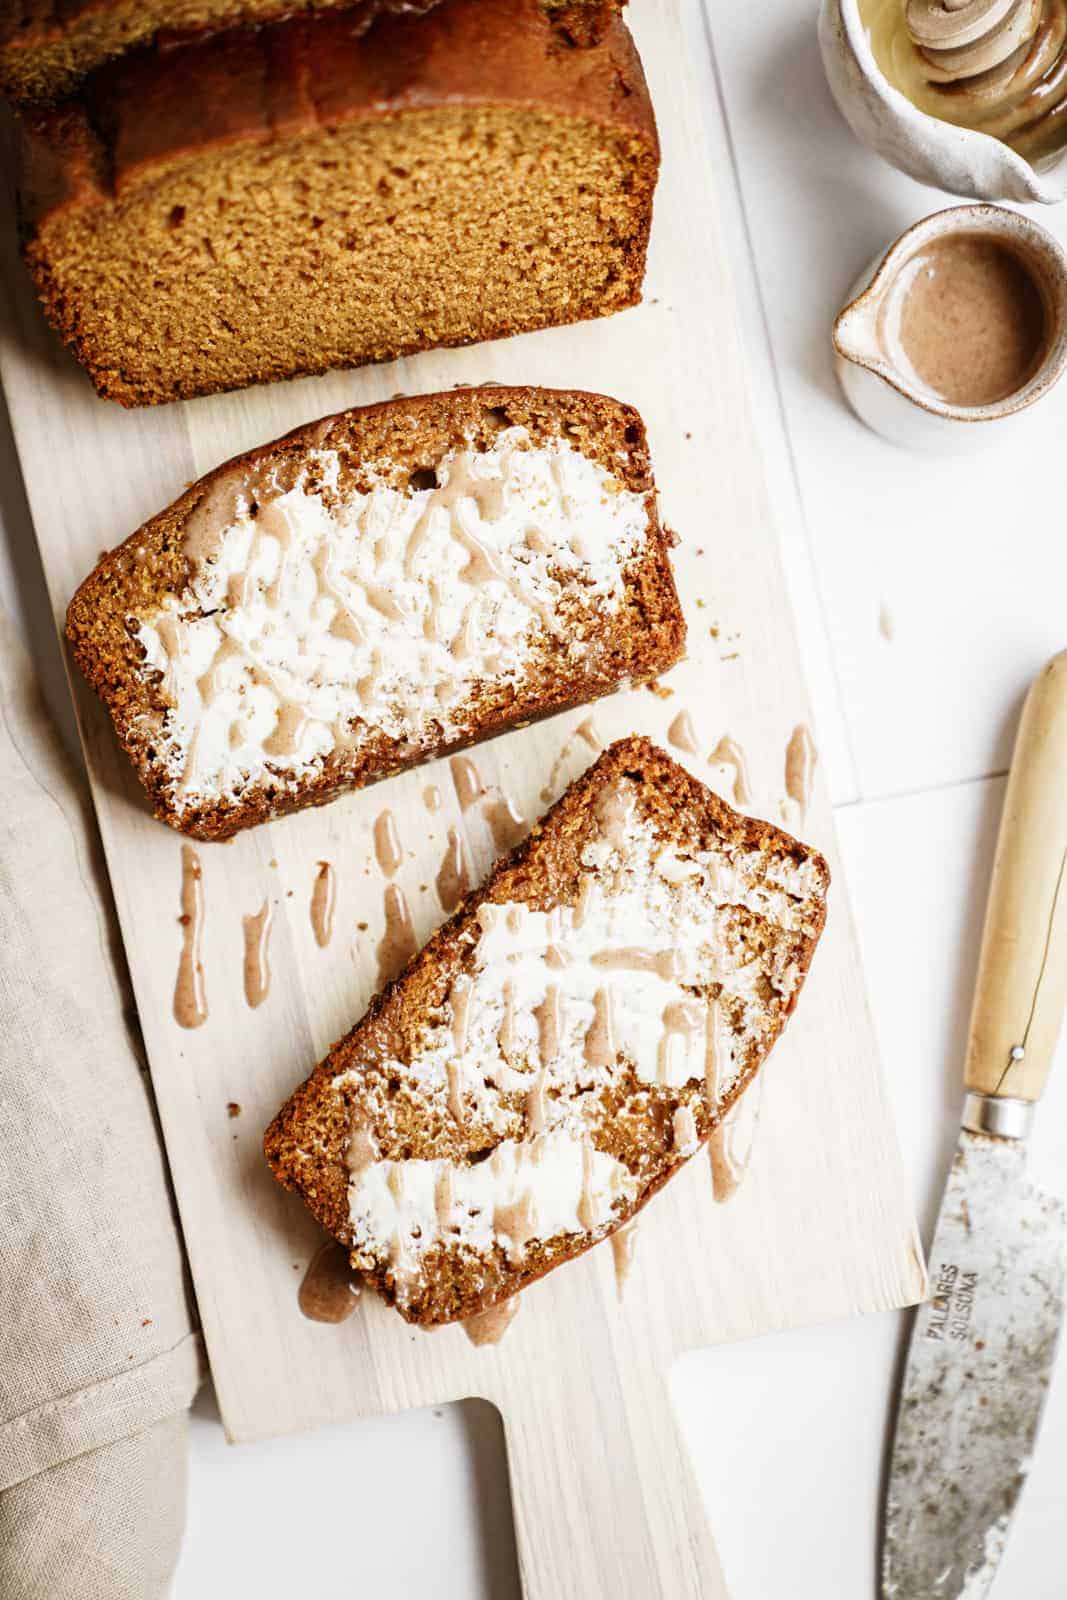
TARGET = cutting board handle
x,y
1022,971
603,1494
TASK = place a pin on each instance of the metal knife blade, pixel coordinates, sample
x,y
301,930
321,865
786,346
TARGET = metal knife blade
x,y
982,1348
976,1378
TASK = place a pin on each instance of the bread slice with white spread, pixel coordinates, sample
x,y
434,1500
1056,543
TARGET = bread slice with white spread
x,y
562,1045
375,590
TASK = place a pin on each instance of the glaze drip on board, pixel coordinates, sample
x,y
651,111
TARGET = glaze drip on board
x,y
329,1290
731,1142
398,943
682,734
623,1244
323,904
467,780
453,877
489,1327
728,753
257,931
801,758
190,994
387,847
506,823
586,733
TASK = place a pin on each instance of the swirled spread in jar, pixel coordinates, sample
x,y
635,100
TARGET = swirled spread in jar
x,y
997,66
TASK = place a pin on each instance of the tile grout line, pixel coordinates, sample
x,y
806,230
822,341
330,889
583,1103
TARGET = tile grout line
x,y
923,789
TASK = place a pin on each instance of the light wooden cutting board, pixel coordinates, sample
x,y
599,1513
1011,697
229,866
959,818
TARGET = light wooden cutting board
x,y
604,1502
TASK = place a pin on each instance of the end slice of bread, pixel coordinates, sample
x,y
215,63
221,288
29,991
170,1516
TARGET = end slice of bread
x,y
266,203
562,1045
381,588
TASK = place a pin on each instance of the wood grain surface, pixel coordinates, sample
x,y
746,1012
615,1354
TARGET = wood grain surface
x,y
1022,971
820,1228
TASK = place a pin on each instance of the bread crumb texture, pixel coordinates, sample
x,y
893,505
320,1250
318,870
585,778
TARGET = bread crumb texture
x,y
376,590
562,1045
311,195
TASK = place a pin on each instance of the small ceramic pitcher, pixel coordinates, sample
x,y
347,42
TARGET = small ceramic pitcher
x,y
879,383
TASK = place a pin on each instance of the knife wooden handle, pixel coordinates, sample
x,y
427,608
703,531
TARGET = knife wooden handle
x,y
1022,972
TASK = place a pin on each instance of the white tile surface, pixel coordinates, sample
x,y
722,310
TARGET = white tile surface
x,y
406,1505
787,1433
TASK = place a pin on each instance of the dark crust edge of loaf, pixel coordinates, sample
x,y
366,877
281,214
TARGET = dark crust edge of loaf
x,y
65,161
18,37
632,754
214,823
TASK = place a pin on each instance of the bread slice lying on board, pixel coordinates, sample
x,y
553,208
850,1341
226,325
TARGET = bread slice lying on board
x,y
266,203
377,589
47,50
562,1045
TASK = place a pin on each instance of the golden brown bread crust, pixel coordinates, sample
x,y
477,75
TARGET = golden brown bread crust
x,y
645,638
306,1143
48,49
167,115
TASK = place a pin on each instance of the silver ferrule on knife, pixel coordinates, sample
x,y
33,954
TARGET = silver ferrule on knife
x,y
998,1116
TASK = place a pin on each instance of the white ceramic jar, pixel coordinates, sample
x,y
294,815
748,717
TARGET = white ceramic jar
x,y
937,153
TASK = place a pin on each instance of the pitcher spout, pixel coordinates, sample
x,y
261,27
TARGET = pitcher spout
x,y
857,332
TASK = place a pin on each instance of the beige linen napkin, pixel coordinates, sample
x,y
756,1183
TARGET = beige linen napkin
x,y
98,1355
